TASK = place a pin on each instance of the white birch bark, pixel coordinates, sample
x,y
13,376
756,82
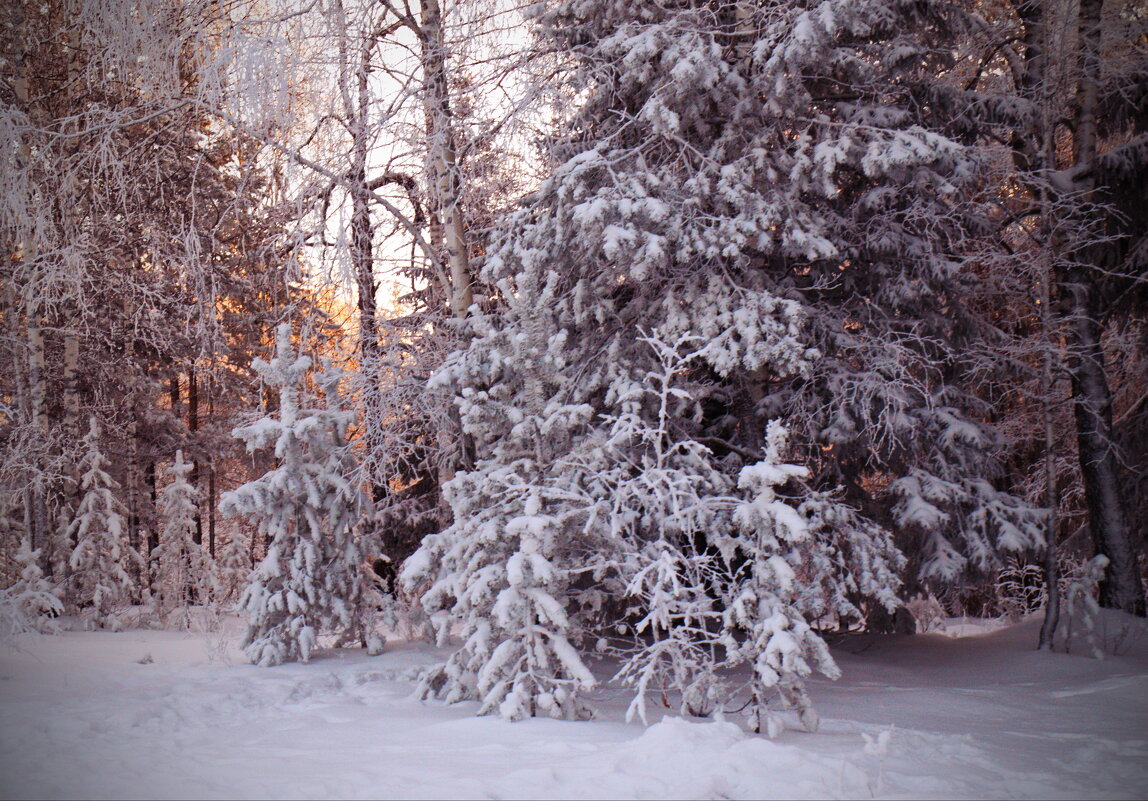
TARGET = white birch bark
x,y
443,157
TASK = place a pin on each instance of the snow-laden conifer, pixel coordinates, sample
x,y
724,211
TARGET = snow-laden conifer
x,y
888,198
722,569
100,587
313,578
756,194
32,603
184,570
790,145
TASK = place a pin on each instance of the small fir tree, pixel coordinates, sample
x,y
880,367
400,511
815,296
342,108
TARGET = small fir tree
x,y
32,603
185,573
100,586
314,576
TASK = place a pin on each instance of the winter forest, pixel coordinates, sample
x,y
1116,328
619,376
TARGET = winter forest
x,y
643,372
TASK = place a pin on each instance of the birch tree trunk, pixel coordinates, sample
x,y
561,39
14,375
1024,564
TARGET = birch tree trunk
x,y
37,393
443,158
447,217
362,232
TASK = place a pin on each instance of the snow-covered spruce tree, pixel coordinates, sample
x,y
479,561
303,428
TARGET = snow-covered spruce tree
x,y
99,585
184,571
32,603
685,199
762,177
314,576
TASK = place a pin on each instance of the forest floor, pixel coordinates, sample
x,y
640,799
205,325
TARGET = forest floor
x,y
970,712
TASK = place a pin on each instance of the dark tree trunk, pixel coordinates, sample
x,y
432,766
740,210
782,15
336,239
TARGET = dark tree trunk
x,y
211,478
193,428
153,492
1099,466
211,510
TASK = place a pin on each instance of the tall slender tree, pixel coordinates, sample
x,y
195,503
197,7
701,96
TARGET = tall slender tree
x,y
407,102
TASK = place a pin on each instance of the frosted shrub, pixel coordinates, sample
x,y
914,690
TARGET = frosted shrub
x,y
1020,588
233,567
31,604
927,612
1081,609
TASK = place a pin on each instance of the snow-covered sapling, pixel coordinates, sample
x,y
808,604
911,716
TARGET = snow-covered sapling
x,y
99,585
314,576
31,604
185,573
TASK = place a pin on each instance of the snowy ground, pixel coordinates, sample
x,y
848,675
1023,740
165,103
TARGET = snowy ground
x,y
152,714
